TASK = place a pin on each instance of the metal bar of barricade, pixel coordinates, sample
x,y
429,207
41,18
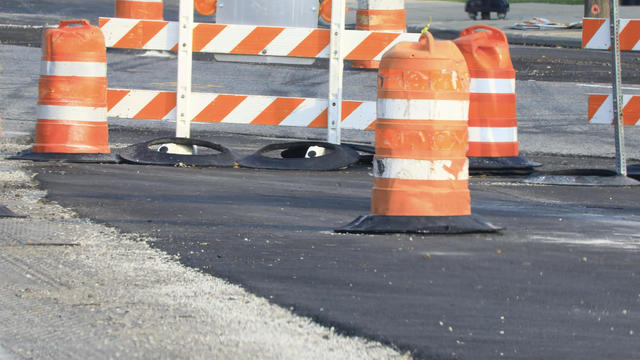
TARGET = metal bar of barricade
x,y
185,60
621,166
336,67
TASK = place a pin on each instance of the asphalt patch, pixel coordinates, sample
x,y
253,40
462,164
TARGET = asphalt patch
x,y
555,284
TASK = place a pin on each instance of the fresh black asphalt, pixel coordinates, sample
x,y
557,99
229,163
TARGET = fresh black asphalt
x,y
560,282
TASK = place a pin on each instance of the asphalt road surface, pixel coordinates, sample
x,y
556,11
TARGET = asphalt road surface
x,y
559,282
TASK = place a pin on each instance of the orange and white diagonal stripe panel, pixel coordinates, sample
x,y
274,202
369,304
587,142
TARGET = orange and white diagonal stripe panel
x,y
601,109
596,34
248,39
238,109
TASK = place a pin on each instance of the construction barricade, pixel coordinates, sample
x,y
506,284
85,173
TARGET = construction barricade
x,y
600,109
72,102
596,34
614,108
493,125
420,167
336,44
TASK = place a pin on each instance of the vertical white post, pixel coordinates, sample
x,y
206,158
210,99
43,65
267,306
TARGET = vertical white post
x,y
621,162
336,66
185,46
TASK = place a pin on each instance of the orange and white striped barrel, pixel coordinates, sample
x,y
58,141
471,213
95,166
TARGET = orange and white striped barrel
x,y
493,127
139,9
420,165
379,15
72,103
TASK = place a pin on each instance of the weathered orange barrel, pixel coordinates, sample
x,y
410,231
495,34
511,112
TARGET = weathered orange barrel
x,y
139,9
324,11
205,7
420,166
492,111
72,103
379,15
493,125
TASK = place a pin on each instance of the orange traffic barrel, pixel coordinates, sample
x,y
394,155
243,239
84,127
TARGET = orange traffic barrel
x,y
72,102
493,125
379,15
139,9
72,105
324,11
205,7
420,166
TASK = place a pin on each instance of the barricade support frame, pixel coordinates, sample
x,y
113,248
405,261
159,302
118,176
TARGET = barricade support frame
x,y
594,36
616,74
362,45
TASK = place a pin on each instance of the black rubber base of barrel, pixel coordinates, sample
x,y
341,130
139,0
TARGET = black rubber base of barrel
x,y
143,154
516,165
110,158
379,224
292,157
581,177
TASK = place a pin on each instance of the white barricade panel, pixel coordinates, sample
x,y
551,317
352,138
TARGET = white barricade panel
x,y
238,109
601,109
248,39
596,34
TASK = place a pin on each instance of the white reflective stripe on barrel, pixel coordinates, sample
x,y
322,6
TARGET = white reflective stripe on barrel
x,y
493,134
492,86
73,68
72,113
419,109
411,169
